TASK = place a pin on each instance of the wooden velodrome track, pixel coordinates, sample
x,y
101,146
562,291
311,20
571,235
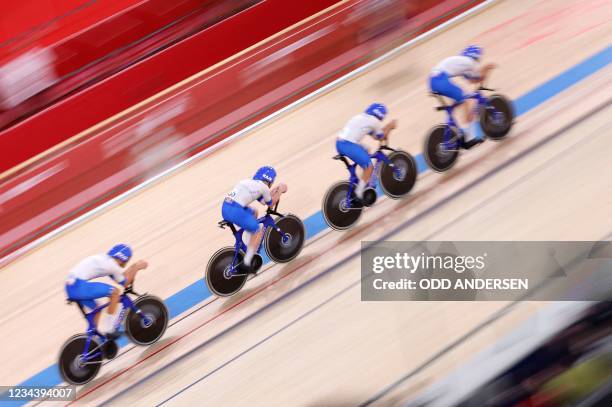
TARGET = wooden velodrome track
x,y
298,334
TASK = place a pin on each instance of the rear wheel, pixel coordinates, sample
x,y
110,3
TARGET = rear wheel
x,y
78,362
285,247
148,325
399,177
223,278
437,152
497,117
339,212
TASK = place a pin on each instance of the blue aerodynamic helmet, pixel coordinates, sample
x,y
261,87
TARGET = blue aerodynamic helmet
x,y
377,110
473,51
121,252
266,174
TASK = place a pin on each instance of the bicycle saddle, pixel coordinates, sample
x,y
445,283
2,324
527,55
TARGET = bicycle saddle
x,y
344,159
223,223
73,301
440,97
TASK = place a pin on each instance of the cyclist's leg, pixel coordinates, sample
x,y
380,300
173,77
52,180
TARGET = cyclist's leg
x,y
443,85
256,230
360,156
109,315
247,236
469,119
86,292
245,218
76,292
365,178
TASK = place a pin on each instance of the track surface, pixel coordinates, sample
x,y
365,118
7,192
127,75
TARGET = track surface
x,y
299,331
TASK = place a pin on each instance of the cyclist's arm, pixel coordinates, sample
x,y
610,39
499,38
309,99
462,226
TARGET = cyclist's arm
x,y
277,191
382,132
387,128
484,72
130,272
266,198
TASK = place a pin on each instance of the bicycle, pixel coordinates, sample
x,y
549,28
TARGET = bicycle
x,y
444,141
396,172
283,241
81,356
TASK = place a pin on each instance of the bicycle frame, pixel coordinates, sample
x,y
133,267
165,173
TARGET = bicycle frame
x,y
450,120
267,221
379,158
92,331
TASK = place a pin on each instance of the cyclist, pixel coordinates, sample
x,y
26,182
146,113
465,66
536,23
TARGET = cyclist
x,y
79,286
236,207
349,144
467,65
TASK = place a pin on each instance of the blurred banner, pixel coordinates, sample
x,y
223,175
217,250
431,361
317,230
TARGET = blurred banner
x,y
51,53
128,57
81,32
26,75
119,154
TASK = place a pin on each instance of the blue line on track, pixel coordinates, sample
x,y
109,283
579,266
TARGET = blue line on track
x,y
197,292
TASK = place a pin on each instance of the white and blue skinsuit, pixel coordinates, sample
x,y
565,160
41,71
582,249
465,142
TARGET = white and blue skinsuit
x,y
236,208
451,67
348,142
78,286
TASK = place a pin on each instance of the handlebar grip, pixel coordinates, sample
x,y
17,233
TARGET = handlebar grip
x,y
272,210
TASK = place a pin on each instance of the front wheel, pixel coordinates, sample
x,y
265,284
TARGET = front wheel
x,y
223,277
441,148
399,176
497,117
285,246
80,361
340,210
147,326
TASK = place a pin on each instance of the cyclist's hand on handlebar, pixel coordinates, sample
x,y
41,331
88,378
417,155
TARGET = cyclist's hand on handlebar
x,y
387,129
282,187
391,125
276,192
484,72
140,265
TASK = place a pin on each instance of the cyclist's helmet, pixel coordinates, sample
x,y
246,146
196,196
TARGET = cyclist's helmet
x,y
473,51
377,110
121,252
266,174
